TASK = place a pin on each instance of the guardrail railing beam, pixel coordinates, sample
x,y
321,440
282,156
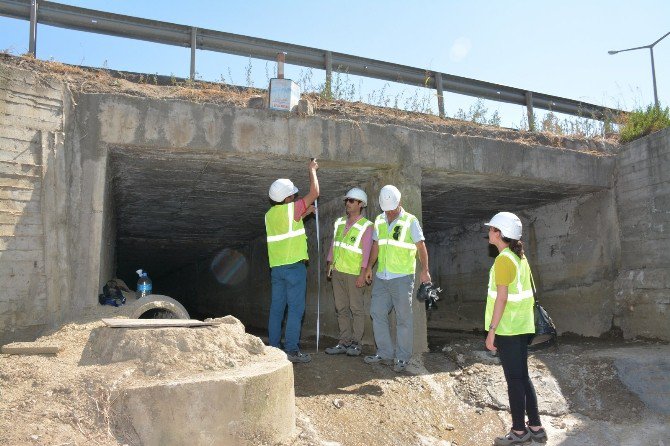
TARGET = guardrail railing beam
x,y
89,20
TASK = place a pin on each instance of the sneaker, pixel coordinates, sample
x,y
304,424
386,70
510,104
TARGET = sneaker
x,y
539,435
298,357
374,359
400,366
339,349
512,438
354,349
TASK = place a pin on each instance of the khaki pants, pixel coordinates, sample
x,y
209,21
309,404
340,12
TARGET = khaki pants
x,y
349,303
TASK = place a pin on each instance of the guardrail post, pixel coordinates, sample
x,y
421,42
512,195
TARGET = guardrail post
x,y
329,74
194,36
529,111
440,94
32,41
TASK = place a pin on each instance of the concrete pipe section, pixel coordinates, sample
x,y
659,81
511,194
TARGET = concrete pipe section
x,y
156,306
250,405
195,386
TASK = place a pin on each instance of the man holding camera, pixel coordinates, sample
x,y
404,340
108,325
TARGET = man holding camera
x,y
397,238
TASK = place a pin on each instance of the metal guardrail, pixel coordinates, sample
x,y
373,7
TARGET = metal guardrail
x,y
89,20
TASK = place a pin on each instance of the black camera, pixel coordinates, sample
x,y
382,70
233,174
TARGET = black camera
x,y
428,293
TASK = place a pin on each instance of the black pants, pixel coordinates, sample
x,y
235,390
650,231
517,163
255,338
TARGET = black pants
x,y
513,353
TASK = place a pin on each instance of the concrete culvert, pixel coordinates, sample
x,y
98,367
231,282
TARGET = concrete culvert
x,y
156,306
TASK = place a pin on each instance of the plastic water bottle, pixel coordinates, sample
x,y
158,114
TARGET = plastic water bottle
x,y
144,284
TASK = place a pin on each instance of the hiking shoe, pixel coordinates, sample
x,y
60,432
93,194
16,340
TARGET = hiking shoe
x,y
339,349
400,366
298,357
512,438
354,349
374,359
539,435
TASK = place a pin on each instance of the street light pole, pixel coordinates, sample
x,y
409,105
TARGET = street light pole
x,y
653,69
653,74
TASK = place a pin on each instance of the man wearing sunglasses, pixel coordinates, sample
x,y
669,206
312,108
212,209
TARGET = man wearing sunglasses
x,y
287,252
397,239
346,267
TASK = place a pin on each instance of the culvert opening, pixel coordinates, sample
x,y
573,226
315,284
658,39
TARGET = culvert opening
x,y
195,224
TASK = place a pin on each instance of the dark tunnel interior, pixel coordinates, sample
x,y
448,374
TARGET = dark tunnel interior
x,y
182,212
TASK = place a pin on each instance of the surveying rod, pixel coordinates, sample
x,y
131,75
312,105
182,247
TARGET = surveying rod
x,y
318,271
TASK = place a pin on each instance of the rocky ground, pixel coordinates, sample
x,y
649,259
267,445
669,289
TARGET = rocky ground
x,y
591,392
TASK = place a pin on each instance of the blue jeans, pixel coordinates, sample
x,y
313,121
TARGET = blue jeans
x,y
289,284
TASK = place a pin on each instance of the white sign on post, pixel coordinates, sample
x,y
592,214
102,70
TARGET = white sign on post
x,y
284,94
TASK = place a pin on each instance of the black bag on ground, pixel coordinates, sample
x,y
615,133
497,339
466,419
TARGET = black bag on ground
x,y
545,330
111,295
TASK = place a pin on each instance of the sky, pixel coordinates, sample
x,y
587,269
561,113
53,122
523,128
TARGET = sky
x,y
557,48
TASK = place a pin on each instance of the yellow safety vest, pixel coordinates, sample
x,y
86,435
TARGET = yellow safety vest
x,y
347,251
287,242
518,317
397,254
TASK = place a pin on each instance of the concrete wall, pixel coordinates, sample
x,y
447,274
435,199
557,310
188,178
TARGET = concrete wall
x,y
572,247
52,206
600,261
32,113
643,210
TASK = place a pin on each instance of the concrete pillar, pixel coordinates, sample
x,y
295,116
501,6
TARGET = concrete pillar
x,y
54,216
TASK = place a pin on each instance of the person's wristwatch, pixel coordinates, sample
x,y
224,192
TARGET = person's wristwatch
x,y
492,327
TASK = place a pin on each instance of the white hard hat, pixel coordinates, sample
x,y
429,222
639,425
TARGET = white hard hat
x,y
281,189
508,223
358,194
389,198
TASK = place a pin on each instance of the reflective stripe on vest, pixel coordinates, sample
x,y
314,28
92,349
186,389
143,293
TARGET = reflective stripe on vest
x,y
287,243
518,316
396,256
348,257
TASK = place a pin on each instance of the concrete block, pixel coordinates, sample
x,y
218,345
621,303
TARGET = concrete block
x,y
28,183
648,317
7,193
258,102
21,230
35,118
12,243
20,170
16,133
305,107
20,207
584,310
16,256
249,405
25,153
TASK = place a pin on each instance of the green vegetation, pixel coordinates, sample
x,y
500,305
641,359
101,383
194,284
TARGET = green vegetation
x,y
642,122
